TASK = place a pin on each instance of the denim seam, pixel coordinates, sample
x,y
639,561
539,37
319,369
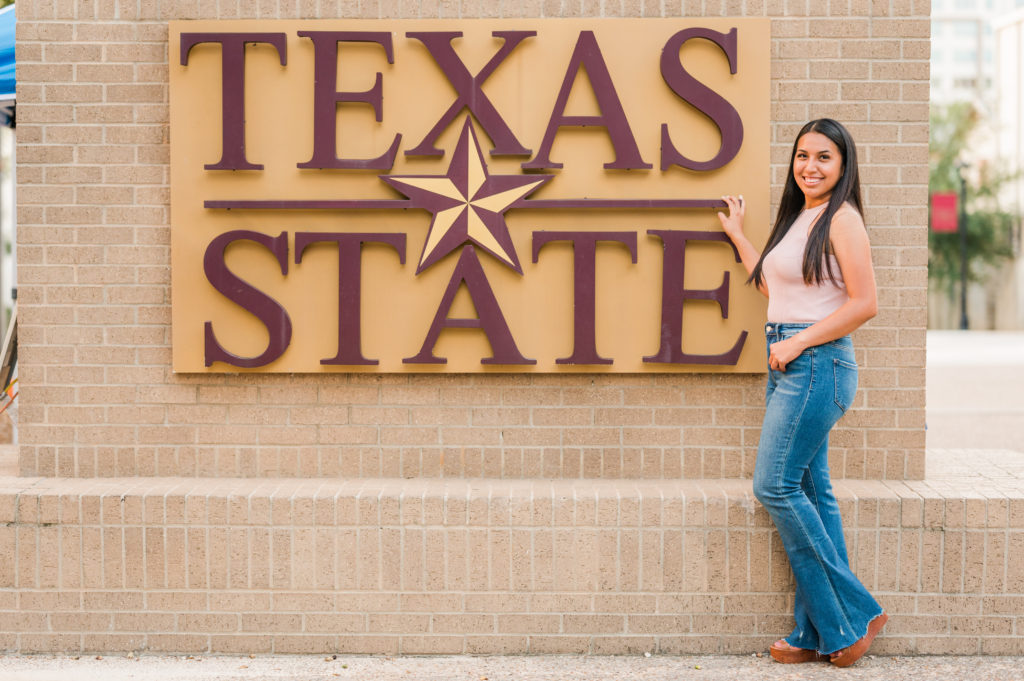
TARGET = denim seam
x,y
842,606
836,362
796,516
814,502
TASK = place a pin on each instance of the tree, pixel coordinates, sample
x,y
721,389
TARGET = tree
x,y
990,229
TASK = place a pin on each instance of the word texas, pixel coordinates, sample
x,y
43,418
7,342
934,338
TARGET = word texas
x,y
470,96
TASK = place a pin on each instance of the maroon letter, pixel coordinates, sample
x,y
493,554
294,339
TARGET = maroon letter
x,y
584,248
703,98
326,99
491,321
470,95
232,59
674,294
613,119
265,308
350,246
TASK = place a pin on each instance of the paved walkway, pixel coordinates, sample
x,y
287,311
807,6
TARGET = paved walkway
x,y
975,390
543,668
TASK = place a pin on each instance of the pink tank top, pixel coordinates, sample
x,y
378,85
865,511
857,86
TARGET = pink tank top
x,y
790,298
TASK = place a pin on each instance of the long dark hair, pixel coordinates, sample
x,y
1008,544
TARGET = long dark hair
x,y
816,264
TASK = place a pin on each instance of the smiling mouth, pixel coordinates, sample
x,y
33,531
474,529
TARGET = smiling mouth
x,y
812,180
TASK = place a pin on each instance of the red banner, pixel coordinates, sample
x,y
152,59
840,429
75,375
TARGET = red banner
x,y
944,212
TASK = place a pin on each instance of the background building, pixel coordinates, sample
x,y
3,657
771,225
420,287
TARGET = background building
x,y
1009,57
976,58
963,67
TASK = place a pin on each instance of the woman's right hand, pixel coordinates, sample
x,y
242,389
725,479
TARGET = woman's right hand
x,y
732,224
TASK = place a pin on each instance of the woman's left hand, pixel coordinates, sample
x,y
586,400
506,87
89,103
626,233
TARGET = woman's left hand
x,y
783,352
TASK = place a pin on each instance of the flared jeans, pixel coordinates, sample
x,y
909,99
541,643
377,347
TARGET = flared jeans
x,y
791,479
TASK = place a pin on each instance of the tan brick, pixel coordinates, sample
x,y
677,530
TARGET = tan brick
x,y
593,624
901,28
432,645
405,623
1002,646
253,644
341,624
623,645
271,622
495,645
559,645
370,645
177,643
50,643
529,624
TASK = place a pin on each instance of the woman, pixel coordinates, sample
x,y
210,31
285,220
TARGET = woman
x,y
816,271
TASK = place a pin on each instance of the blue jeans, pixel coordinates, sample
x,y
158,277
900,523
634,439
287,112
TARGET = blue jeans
x,y
791,479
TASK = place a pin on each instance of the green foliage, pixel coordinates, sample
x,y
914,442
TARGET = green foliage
x,y
989,227
4,3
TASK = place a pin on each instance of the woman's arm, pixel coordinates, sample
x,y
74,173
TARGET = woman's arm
x,y
732,225
853,252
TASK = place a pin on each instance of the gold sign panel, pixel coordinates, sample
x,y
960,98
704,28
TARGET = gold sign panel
x,y
529,195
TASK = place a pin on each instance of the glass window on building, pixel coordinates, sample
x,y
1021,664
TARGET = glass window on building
x,y
965,29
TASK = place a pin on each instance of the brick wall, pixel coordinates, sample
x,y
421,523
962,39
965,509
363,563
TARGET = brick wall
x,y
485,567
366,562
99,398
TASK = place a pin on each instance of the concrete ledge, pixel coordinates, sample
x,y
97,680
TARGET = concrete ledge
x,y
482,566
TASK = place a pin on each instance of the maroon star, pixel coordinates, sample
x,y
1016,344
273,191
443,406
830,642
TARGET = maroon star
x,y
468,204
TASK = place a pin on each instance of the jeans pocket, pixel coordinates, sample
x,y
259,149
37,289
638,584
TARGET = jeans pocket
x,y
845,374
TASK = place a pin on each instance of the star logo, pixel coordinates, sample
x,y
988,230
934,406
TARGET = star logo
x,y
468,203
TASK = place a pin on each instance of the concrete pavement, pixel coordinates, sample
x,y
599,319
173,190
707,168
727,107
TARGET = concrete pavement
x,y
539,668
975,390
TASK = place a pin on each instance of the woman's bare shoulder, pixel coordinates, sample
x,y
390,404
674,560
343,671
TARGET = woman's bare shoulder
x,y
847,219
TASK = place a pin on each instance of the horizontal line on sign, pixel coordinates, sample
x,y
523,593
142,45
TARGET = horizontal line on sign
x,y
402,204
619,203
304,204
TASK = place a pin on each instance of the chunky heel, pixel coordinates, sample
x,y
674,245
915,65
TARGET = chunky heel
x,y
787,654
847,656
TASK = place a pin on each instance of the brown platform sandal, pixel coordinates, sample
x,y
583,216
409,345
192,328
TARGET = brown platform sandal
x,y
847,656
787,654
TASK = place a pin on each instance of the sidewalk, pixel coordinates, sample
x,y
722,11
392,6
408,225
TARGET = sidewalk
x,y
544,668
975,390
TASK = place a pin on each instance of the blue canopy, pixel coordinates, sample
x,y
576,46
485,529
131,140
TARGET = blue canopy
x,y
7,53
7,80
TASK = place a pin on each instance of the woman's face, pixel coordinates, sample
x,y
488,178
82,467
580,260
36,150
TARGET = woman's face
x,y
817,167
